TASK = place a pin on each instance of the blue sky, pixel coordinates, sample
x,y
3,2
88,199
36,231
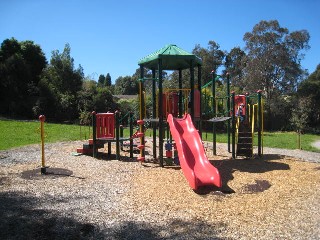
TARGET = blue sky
x,y
112,36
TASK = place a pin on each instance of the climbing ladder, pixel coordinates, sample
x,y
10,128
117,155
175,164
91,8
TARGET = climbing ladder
x,y
245,141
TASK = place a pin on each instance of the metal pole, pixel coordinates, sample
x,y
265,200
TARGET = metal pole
x,y
130,134
160,115
154,113
180,94
259,121
247,108
142,110
117,113
200,103
233,125
94,134
42,118
192,90
214,135
228,109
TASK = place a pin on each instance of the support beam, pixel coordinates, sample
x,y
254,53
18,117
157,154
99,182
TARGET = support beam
x,y
180,95
154,113
161,128
192,90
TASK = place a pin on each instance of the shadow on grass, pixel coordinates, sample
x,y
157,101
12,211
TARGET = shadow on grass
x,y
22,218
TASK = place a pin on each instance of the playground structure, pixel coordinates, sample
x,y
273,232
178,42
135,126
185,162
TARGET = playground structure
x,y
168,104
169,57
247,117
178,112
106,128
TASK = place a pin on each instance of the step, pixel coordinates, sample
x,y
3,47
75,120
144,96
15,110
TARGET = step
x,y
244,152
244,145
245,134
245,140
85,151
98,141
90,146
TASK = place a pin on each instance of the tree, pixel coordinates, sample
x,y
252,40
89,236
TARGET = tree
x,y
235,67
102,80
63,82
212,58
126,86
272,63
299,117
21,64
273,58
310,89
108,80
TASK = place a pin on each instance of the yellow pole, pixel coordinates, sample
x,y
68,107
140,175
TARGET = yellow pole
x,y
42,118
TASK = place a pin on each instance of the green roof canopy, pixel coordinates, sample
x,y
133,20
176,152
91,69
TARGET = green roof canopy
x,y
173,58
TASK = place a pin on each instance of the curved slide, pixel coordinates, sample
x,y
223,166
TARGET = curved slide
x,y
193,161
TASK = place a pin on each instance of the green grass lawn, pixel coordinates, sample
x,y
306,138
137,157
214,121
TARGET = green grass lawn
x,y
288,140
21,133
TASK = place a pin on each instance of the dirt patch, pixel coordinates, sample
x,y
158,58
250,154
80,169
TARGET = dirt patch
x,y
3,180
316,144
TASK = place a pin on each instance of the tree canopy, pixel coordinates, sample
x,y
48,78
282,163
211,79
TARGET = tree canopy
x,y
21,64
270,61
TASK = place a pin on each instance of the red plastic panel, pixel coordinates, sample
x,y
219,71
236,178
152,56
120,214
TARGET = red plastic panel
x,y
240,99
170,104
105,125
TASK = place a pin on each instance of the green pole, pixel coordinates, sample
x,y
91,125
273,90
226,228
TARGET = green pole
x,y
180,94
228,109
142,108
192,90
94,132
154,113
214,136
200,103
130,134
160,115
247,108
233,98
117,135
259,121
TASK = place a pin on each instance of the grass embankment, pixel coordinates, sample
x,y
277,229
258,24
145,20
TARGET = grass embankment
x,y
21,133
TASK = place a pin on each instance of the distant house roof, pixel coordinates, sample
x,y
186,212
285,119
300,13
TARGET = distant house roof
x,y
173,58
118,97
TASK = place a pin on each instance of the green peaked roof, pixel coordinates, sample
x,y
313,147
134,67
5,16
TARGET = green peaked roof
x,y
173,58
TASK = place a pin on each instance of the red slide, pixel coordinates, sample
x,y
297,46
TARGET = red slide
x,y
193,161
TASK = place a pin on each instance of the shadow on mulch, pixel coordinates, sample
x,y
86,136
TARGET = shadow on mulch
x,y
258,186
109,157
35,174
22,218
227,167
175,229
